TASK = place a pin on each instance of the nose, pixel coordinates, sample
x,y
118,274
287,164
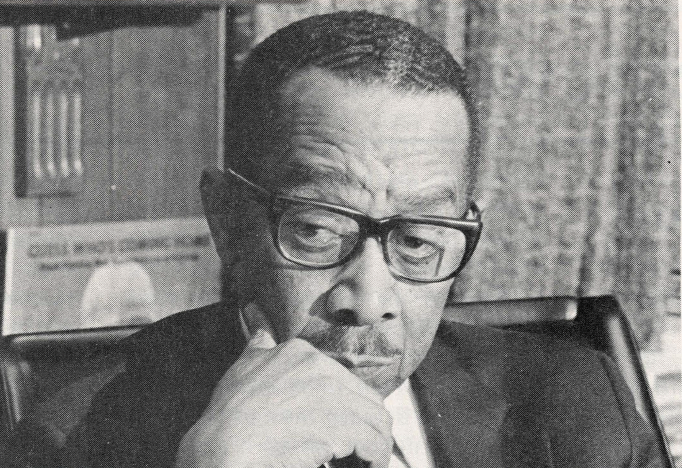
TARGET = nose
x,y
364,293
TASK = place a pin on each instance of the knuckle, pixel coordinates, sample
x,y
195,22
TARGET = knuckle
x,y
343,447
292,349
375,448
311,365
299,345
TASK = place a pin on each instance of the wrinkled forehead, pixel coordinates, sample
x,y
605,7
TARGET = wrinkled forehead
x,y
335,138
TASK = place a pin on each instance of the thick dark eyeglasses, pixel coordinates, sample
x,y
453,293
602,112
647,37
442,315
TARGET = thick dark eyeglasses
x,y
317,235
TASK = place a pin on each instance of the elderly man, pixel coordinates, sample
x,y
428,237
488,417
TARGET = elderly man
x,y
343,219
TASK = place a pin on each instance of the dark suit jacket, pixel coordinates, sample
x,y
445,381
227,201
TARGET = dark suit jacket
x,y
488,398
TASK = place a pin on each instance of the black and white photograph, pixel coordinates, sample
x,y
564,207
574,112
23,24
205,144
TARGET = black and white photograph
x,y
340,234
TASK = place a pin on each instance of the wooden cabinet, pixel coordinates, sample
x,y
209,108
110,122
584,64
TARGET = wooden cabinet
x,y
150,116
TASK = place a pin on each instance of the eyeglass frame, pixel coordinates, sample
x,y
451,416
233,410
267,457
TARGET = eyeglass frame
x,y
368,227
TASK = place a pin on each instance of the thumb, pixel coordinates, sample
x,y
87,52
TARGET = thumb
x,y
259,326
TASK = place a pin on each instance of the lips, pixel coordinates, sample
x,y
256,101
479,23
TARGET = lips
x,y
350,360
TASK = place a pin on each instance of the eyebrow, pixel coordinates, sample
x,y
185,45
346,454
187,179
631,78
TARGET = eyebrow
x,y
314,180
296,175
432,197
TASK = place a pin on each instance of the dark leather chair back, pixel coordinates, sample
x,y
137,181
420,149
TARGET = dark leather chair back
x,y
49,380
597,322
16,390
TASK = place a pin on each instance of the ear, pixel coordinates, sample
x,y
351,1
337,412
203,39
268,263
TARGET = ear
x,y
219,211
480,206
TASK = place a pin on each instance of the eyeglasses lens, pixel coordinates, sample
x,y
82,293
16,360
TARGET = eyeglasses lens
x,y
316,236
424,251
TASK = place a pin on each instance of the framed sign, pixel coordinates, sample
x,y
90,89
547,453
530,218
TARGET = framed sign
x,y
107,274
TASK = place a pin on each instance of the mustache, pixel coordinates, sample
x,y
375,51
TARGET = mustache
x,y
341,339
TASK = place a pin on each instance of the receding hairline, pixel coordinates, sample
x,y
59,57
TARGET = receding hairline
x,y
316,74
304,81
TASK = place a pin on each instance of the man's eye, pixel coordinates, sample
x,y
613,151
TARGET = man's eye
x,y
416,247
413,242
313,237
314,233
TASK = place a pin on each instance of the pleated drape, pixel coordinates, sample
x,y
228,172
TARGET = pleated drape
x,y
581,141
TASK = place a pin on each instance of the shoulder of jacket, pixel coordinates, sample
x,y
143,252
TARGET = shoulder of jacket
x,y
529,362
197,334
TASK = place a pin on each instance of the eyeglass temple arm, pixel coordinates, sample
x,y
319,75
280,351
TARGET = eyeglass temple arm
x,y
257,189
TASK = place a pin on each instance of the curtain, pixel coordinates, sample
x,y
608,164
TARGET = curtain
x,y
580,103
580,114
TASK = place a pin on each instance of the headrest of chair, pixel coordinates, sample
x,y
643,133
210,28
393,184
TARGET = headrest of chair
x,y
16,390
513,311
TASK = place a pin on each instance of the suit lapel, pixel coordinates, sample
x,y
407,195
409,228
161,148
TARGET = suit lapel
x,y
462,412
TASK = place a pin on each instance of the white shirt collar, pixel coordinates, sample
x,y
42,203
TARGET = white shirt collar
x,y
408,430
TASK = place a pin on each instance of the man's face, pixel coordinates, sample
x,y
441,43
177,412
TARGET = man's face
x,y
381,151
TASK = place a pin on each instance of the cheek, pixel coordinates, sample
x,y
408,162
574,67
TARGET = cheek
x,y
289,297
285,293
422,313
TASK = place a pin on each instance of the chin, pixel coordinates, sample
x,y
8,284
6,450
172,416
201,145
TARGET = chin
x,y
383,379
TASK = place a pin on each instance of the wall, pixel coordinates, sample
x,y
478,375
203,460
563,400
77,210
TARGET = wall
x,y
150,124
13,211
